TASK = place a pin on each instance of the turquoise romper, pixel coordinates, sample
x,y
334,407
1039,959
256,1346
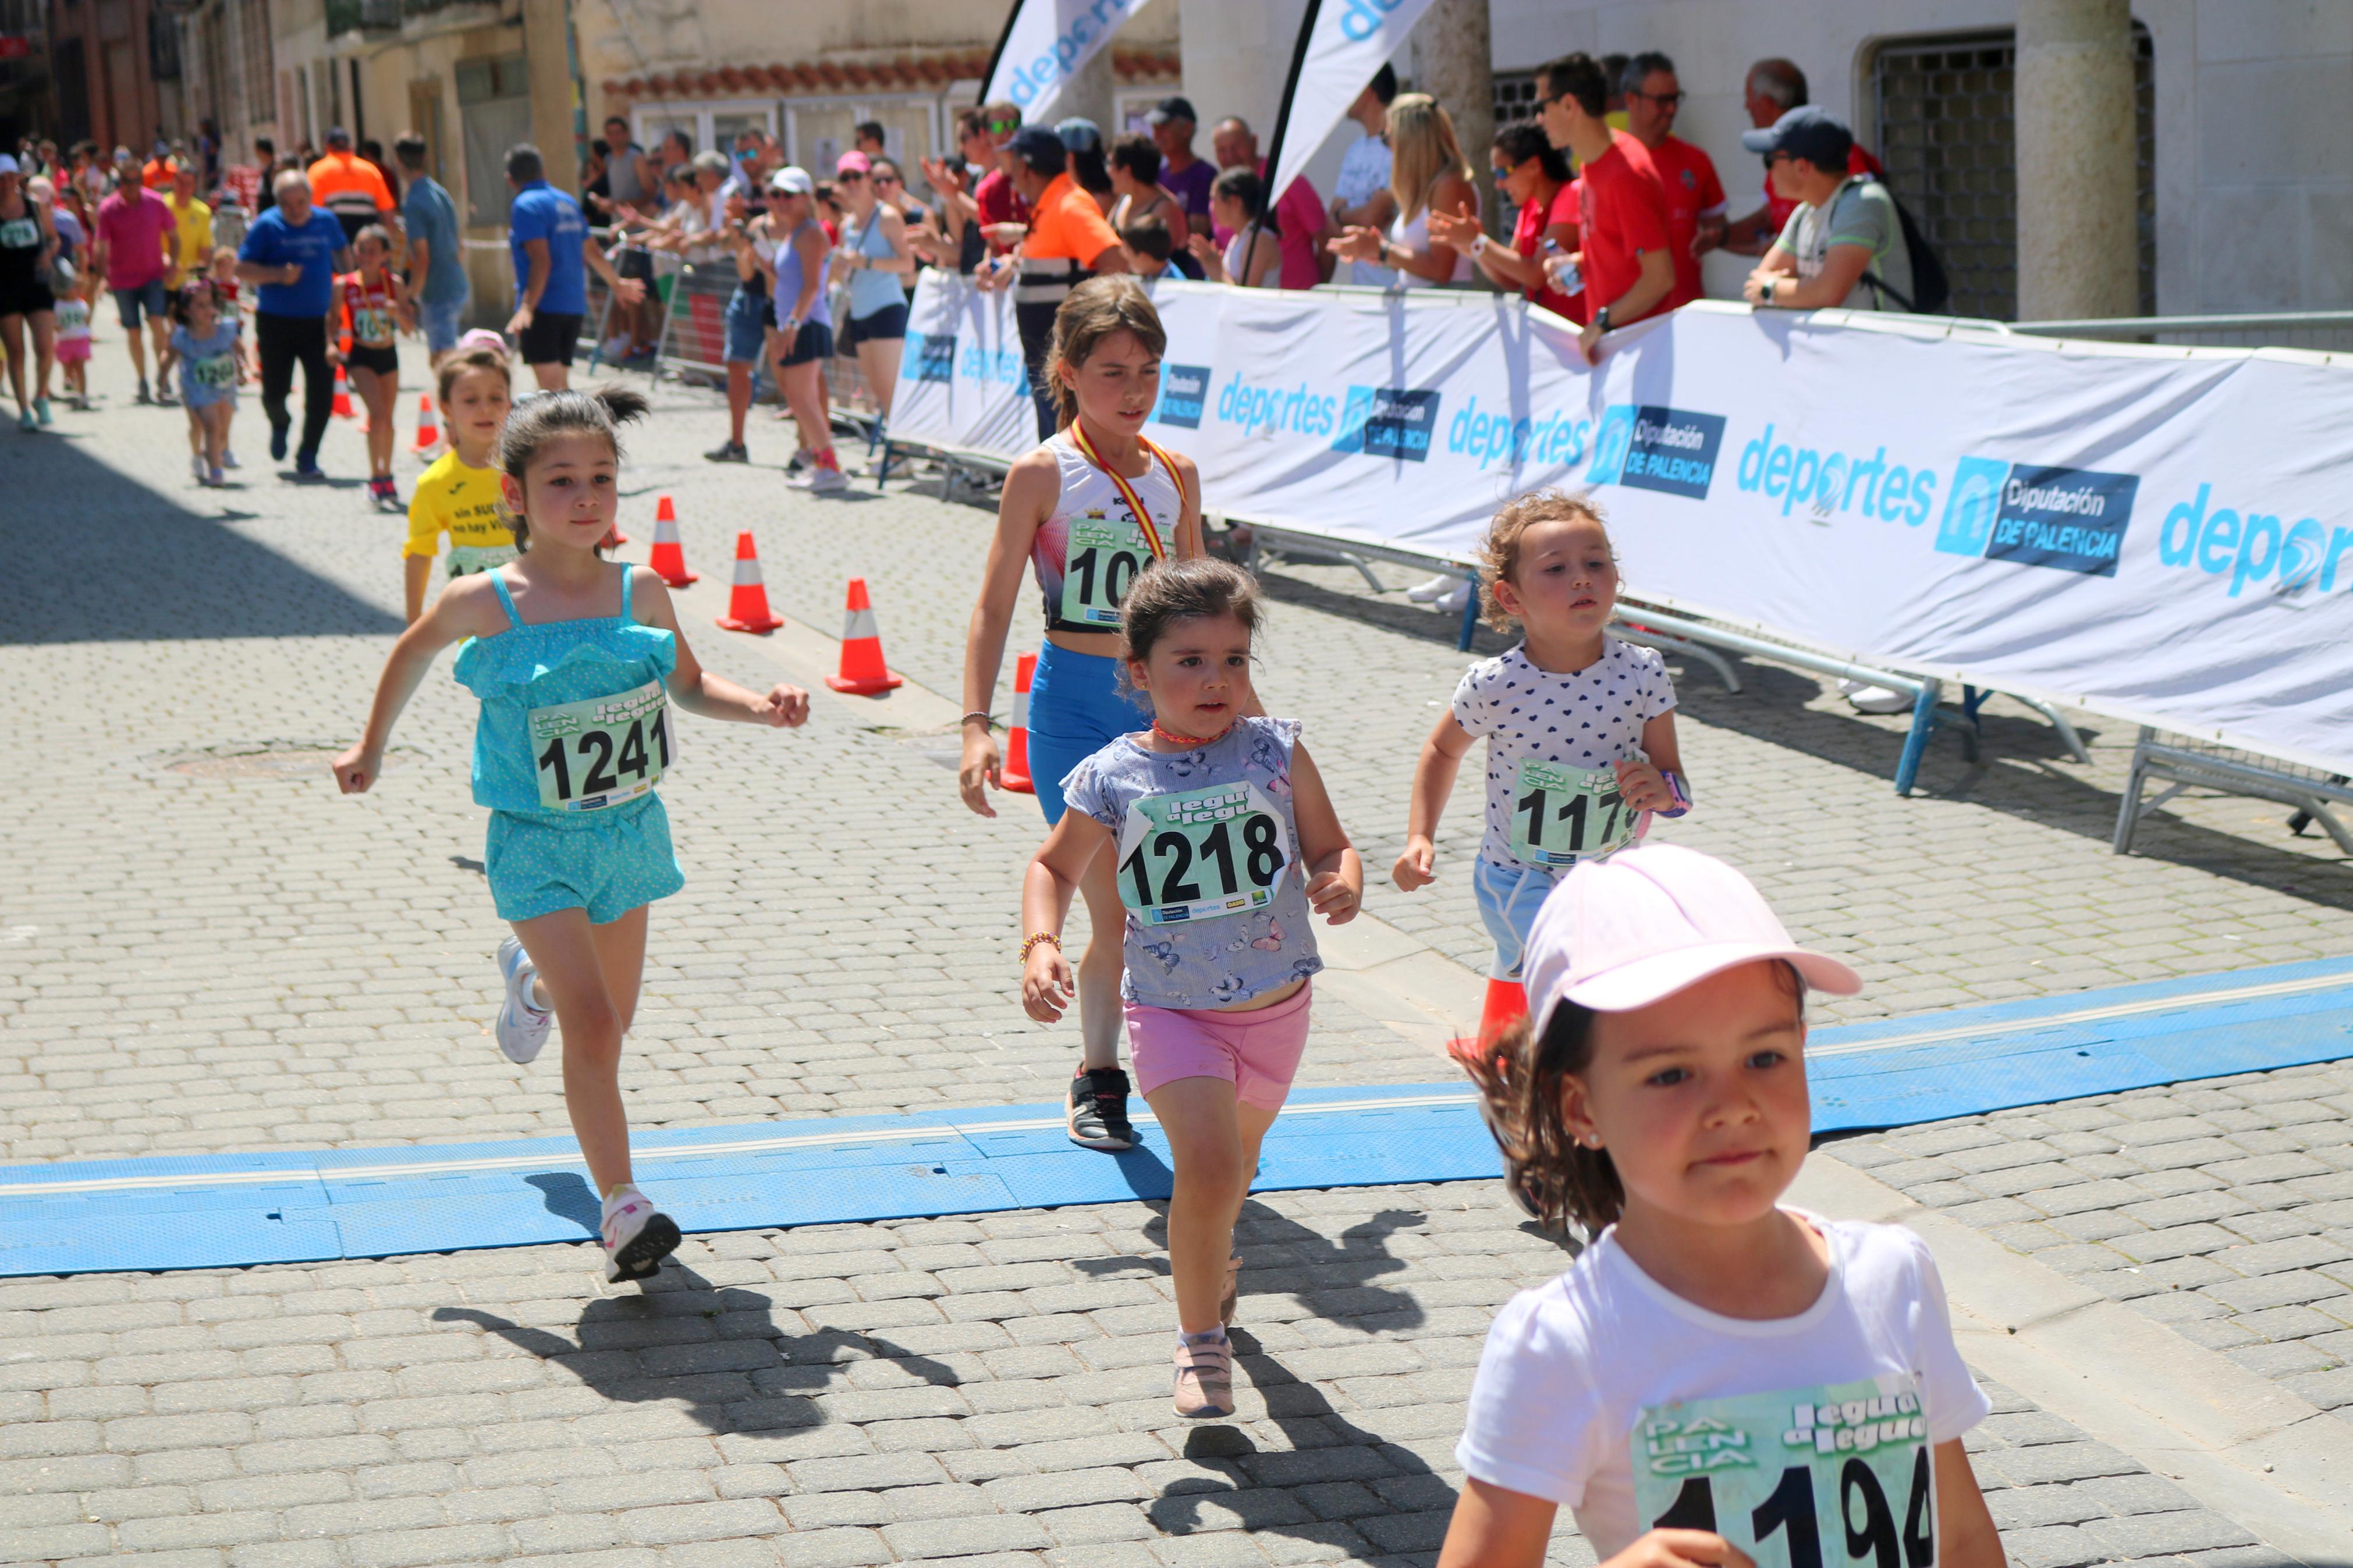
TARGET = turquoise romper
x,y
575,821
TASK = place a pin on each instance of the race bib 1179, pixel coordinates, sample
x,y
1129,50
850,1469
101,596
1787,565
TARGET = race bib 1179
x,y
1813,1477
1561,815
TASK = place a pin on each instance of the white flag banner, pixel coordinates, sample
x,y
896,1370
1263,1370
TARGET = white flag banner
x,y
1046,42
1350,42
2161,538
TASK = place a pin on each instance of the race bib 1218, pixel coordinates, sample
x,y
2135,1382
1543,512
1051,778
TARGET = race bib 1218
x,y
1201,854
1813,1477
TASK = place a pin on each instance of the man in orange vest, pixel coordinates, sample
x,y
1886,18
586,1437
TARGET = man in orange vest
x,y
351,187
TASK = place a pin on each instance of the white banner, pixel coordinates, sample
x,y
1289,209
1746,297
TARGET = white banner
x,y
2163,538
1352,40
1046,43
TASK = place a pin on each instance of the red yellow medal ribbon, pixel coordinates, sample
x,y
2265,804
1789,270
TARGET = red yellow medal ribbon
x,y
1126,490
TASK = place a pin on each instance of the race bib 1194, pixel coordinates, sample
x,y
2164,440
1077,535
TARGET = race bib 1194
x,y
602,752
1201,854
1814,1477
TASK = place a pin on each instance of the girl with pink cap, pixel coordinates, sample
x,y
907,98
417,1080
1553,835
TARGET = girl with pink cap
x,y
1718,1380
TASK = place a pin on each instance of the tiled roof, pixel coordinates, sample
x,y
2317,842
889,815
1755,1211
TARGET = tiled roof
x,y
899,73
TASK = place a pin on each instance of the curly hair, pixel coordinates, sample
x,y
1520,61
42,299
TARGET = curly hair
x,y
1499,552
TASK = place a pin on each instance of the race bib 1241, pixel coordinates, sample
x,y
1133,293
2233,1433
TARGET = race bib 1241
x,y
1201,854
600,752
1813,1477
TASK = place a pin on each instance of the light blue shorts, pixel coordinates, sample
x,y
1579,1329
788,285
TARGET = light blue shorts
x,y
1077,706
1509,897
442,323
607,864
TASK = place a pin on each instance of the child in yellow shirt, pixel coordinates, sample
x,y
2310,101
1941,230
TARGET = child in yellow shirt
x,y
459,495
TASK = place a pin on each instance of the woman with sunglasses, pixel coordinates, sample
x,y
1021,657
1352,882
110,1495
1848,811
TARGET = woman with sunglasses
x,y
891,188
1534,175
875,254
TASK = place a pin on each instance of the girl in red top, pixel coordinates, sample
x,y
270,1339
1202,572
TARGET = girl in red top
x,y
374,307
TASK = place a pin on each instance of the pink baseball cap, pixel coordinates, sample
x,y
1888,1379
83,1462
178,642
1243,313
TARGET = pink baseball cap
x,y
852,163
1637,927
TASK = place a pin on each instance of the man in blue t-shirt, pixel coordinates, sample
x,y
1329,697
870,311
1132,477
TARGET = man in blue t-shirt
x,y
291,254
437,267
553,253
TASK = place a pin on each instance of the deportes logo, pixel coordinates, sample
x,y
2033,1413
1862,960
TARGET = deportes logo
x,y
1360,19
929,357
1183,389
1650,447
2071,519
1387,422
2252,546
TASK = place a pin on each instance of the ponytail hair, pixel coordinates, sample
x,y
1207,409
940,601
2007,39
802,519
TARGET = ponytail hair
x,y
539,420
1114,303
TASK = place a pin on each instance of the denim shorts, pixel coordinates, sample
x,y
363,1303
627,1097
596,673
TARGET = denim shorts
x,y
606,866
441,324
749,318
1509,897
1077,706
146,297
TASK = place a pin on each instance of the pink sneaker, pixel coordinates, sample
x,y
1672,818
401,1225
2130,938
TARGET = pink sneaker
x,y
637,1236
1205,1379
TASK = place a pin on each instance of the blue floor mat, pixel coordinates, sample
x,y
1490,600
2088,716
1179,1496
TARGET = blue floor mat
x,y
231,1210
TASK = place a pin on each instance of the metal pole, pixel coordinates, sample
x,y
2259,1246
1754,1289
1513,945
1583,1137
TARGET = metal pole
x,y
1915,745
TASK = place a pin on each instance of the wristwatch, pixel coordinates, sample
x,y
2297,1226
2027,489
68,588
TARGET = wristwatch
x,y
1601,318
791,325
1765,291
1479,246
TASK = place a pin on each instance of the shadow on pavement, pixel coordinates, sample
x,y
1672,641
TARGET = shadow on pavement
x,y
1333,1279
716,1349
104,558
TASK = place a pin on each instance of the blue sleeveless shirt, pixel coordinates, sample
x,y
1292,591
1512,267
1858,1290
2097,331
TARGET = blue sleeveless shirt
x,y
534,667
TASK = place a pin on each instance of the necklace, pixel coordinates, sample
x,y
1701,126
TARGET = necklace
x,y
1191,743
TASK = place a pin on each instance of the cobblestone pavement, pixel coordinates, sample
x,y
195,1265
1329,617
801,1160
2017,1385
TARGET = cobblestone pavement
x,y
204,948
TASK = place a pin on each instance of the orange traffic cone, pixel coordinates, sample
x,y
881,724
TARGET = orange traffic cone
x,y
863,673
668,561
428,425
1016,770
1507,1003
747,603
342,409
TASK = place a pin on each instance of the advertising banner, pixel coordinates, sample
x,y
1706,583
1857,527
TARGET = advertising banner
x,y
1044,45
2161,536
1347,42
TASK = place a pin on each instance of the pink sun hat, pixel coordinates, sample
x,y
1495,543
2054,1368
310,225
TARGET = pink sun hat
x,y
1637,927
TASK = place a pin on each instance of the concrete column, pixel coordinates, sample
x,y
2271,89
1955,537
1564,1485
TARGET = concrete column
x,y
1088,95
2078,245
547,60
1455,51
1236,54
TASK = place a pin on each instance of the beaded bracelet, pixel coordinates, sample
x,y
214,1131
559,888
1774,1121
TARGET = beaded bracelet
x,y
1034,941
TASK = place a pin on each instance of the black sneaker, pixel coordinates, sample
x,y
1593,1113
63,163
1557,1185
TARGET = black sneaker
x,y
729,452
277,432
1098,1110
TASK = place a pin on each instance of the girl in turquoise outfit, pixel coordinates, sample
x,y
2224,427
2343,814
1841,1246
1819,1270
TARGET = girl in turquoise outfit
x,y
576,660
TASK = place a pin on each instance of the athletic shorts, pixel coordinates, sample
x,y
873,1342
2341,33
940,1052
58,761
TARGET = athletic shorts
x,y
1077,706
607,864
1509,897
888,324
551,338
29,297
385,360
146,298
814,341
749,317
1258,1052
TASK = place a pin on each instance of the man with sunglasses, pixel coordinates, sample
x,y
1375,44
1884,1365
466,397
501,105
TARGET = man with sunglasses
x,y
1844,244
1695,199
1627,251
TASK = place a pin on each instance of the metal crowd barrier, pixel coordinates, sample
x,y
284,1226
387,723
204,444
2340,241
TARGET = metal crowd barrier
x,y
2180,762
2315,332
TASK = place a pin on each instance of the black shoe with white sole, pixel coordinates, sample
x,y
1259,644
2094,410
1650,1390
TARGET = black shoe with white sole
x,y
1098,1110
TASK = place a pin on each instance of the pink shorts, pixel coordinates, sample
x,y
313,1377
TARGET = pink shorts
x,y
72,350
1257,1052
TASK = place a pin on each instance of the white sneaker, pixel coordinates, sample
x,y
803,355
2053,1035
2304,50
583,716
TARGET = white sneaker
x,y
228,458
826,481
637,1236
1437,588
1453,604
523,1027
197,465
1873,699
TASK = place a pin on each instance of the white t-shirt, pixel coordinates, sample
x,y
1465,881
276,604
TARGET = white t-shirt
x,y
1364,169
1588,719
1571,1366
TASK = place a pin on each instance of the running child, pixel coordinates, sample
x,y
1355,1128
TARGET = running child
x,y
230,297
459,495
1657,1098
1223,839
577,659
1580,729
374,307
73,343
207,344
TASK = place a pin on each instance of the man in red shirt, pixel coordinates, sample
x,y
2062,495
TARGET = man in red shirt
x,y
1772,88
1300,223
1626,257
1001,206
133,243
1695,200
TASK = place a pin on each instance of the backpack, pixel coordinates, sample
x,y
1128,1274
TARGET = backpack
x,y
1932,292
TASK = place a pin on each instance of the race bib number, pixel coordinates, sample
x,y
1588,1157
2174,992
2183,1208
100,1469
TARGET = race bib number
x,y
1561,815
220,370
19,234
1819,1478
602,752
1201,854
371,326
1103,559
465,560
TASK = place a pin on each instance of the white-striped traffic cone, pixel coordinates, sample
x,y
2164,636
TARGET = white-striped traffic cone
x,y
748,601
1015,771
863,672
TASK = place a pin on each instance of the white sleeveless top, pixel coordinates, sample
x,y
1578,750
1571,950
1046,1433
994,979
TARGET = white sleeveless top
x,y
1087,495
1414,235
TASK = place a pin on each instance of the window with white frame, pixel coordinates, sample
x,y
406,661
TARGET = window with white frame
x,y
710,124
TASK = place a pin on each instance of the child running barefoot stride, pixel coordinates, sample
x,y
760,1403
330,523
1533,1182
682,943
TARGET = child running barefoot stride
x,y
459,495
1222,837
1580,731
576,659
1718,1380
